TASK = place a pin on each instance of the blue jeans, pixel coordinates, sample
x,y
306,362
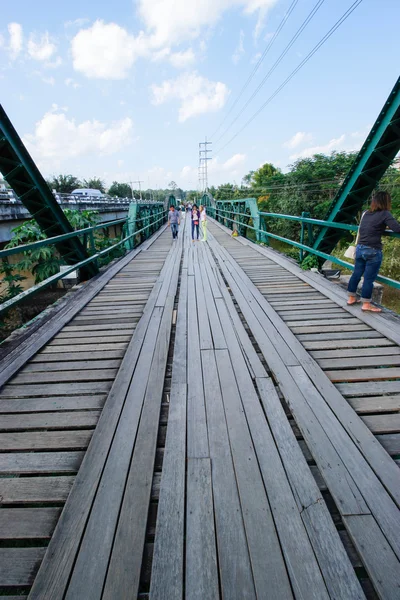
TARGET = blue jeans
x,y
195,228
367,263
174,229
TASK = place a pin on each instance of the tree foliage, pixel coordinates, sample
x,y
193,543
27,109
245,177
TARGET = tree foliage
x,y
122,190
64,184
94,184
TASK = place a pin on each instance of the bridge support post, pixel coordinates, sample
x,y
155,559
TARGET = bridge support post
x,y
131,225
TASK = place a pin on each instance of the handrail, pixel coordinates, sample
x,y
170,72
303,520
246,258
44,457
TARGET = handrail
x,y
59,238
36,288
334,259
309,220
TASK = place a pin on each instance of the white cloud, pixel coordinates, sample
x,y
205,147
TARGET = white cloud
x,y
44,78
180,60
54,64
190,17
344,142
2,41
239,51
69,82
16,39
76,22
197,94
217,172
41,49
299,138
57,136
105,51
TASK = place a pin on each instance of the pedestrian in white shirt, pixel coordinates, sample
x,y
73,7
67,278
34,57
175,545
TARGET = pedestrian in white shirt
x,y
203,222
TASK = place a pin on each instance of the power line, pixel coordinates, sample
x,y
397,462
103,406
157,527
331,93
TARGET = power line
x,y
338,23
260,60
276,63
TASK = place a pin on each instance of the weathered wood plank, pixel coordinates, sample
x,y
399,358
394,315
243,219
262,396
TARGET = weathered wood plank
x,y
201,555
342,343
375,404
383,423
18,566
27,523
55,389
360,361
370,388
269,573
53,420
45,440
53,403
39,462
379,559
233,553
363,374
65,376
39,490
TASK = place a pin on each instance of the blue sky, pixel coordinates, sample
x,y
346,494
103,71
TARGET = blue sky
x,y
126,90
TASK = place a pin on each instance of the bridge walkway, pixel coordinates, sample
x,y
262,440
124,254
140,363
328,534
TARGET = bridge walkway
x,y
228,460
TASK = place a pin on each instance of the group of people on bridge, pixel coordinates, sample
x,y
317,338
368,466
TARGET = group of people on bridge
x,y
198,217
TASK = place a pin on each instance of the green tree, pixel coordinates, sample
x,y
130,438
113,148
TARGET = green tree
x,y
122,190
94,184
262,177
64,184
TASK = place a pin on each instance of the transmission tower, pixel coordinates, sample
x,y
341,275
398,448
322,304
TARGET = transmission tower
x,y
203,160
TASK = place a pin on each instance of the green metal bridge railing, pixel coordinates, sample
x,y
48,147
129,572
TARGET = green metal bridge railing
x,y
237,220
152,218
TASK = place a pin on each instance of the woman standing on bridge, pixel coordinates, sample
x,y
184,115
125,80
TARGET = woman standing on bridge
x,y
203,222
369,248
195,221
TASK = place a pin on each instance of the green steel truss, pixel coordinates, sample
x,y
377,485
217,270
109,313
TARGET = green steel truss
x,y
376,155
237,214
20,171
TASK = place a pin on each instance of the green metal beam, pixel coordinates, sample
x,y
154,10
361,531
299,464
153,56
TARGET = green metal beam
x,y
20,171
376,155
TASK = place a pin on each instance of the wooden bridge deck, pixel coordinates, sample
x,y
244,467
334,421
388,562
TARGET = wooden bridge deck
x,y
202,421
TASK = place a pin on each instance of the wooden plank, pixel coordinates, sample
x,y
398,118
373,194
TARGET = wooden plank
x,y
304,574
357,353
127,550
92,340
167,569
18,566
380,562
205,339
58,563
379,360
375,404
53,403
371,388
269,569
233,553
39,490
65,376
53,420
39,462
27,523
342,343
381,505
344,335
55,389
201,581
84,347
45,440
38,336
383,423
78,365
391,443
363,374
93,355
197,441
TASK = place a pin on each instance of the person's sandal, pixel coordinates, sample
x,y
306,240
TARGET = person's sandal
x,y
351,303
373,309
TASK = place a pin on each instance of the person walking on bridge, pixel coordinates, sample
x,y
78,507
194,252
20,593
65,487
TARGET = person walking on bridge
x,y
203,222
173,221
195,222
369,248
